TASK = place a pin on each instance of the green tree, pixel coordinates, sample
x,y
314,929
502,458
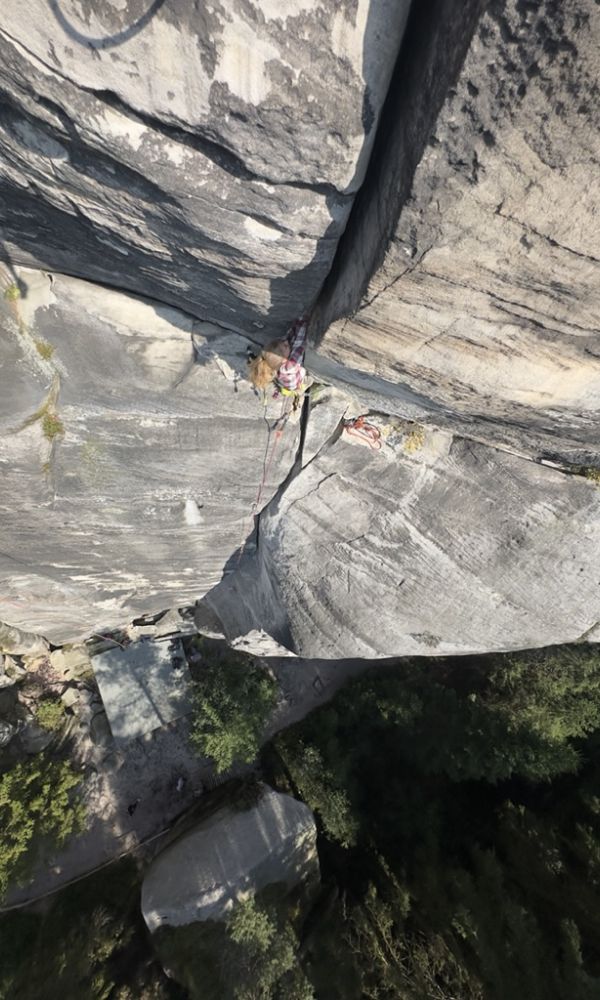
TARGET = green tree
x,y
232,702
472,787
88,943
262,950
50,714
38,809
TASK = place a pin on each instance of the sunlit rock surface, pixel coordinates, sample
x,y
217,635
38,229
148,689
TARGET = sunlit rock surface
x,y
203,153
228,856
131,452
432,545
486,300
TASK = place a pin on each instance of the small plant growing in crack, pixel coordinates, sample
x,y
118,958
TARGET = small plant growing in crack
x,y
52,425
12,292
591,472
50,714
415,439
44,349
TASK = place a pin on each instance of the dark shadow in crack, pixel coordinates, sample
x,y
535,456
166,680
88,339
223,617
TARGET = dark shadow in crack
x,y
104,41
436,41
8,274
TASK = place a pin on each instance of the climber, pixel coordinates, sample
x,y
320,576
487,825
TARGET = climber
x,y
280,363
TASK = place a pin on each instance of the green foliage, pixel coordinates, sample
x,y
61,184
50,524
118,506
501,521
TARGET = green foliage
x,y
471,786
591,472
250,956
90,944
232,701
251,926
415,439
38,809
50,714
262,949
52,425
44,349
318,786
12,292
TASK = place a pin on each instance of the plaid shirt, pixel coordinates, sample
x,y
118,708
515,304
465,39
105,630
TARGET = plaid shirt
x,y
291,374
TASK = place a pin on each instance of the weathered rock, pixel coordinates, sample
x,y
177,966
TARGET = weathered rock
x,y
70,698
483,298
130,463
15,640
71,662
7,731
206,154
100,730
34,739
228,856
433,545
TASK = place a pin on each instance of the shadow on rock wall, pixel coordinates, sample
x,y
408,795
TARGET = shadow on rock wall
x,y
436,41
104,41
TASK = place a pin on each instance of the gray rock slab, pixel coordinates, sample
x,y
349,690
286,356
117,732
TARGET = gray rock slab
x,y
450,547
475,283
17,641
204,153
144,686
148,485
228,856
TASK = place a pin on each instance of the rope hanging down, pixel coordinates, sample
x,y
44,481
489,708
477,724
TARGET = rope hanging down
x,y
276,430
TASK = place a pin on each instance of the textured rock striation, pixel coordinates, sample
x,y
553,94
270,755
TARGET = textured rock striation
x,y
205,154
433,545
477,282
131,449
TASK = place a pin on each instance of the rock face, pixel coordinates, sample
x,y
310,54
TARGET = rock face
x,y
132,450
486,302
205,153
432,545
229,856
210,158
14,640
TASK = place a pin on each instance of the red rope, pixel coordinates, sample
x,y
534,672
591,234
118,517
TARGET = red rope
x,y
277,430
359,428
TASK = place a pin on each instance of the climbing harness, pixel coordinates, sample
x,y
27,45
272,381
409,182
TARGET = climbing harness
x,y
365,433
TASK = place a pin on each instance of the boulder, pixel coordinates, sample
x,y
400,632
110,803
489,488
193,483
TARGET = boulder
x,y
21,643
228,856
471,290
206,154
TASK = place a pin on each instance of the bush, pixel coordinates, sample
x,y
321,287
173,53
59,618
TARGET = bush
x,y
232,701
50,714
52,425
37,808
12,292
249,955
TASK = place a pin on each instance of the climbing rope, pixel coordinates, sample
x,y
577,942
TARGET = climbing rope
x,y
366,433
275,430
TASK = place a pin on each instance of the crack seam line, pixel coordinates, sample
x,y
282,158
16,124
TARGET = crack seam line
x,y
542,236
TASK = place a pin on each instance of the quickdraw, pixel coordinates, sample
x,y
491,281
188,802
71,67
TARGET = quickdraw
x,y
366,433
